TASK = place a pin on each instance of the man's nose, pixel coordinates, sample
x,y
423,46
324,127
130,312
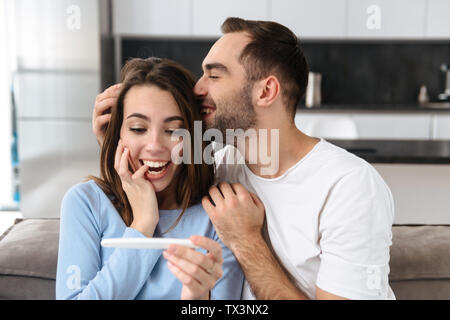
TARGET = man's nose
x,y
200,87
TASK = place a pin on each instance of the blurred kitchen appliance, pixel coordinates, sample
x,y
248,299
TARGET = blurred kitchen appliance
x,y
423,97
313,90
445,95
59,74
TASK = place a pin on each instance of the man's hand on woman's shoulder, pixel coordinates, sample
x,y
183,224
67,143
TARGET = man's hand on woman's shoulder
x,y
237,214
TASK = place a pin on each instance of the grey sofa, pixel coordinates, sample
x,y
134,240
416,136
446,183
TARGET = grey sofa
x,y
419,265
28,258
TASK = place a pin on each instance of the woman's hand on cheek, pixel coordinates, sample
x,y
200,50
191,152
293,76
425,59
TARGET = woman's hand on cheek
x,y
197,272
140,193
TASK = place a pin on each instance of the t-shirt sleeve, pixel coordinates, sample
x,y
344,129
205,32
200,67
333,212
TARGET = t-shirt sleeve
x,y
81,274
355,233
229,287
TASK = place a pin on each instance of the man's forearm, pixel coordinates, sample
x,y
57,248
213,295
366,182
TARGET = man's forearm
x,y
263,272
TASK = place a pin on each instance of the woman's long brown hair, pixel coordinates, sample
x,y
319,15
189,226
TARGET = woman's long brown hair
x,y
193,180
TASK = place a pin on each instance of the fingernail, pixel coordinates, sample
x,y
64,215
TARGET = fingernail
x,y
166,254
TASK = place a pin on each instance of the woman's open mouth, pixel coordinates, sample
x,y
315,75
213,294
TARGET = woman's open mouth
x,y
157,169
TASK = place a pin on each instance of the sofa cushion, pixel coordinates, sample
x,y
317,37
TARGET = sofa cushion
x,y
426,289
419,264
28,258
420,252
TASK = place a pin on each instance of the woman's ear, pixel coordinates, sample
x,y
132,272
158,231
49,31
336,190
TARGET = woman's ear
x,y
266,91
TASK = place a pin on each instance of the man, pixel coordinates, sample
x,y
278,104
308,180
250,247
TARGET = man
x,y
320,225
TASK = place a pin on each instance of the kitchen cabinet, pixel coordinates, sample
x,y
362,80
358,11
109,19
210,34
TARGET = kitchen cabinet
x,y
329,126
56,34
437,19
420,192
393,126
441,127
311,19
398,19
152,17
208,15
381,126
319,19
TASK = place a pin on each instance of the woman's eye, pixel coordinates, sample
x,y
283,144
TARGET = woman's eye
x,y
213,77
138,130
170,131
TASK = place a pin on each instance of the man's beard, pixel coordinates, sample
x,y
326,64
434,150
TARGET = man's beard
x,y
237,112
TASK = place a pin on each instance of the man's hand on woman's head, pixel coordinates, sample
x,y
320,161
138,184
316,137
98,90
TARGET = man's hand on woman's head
x,y
197,272
237,214
102,111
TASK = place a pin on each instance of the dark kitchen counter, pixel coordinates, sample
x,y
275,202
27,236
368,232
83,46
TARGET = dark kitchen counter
x,y
398,151
372,108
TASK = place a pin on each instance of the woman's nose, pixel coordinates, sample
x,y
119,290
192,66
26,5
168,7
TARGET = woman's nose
x,y
155,143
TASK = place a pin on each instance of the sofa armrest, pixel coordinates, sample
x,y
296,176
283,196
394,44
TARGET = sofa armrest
x,y
28,258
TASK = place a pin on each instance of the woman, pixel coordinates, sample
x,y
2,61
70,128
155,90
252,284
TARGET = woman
x,y
143,193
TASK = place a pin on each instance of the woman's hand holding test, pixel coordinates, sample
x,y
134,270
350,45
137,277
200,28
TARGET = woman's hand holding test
x,y
197,272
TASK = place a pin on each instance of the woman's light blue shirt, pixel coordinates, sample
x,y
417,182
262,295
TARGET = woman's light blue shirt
x,y
86,270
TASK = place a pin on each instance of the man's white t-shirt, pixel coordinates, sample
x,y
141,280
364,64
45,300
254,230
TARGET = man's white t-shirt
x,y
329,219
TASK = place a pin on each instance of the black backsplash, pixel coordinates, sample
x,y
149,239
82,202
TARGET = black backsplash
x,y
353,73
377,73
190,53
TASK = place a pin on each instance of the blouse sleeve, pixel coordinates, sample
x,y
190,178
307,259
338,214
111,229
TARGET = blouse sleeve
x,y
80,274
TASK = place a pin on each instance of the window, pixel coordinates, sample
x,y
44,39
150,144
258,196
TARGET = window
x,y
7,180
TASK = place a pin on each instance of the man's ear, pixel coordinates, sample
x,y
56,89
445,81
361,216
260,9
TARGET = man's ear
x,y
266,91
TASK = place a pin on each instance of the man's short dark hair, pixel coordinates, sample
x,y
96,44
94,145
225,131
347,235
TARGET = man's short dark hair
x,y
274,49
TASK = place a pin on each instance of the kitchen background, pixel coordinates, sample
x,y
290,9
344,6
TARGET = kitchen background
x,y
374,58
354,74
